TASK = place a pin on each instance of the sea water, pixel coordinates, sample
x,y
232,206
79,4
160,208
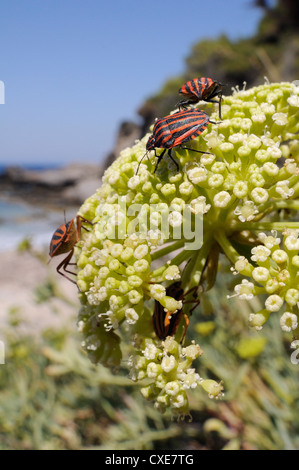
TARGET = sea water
x,y
20,221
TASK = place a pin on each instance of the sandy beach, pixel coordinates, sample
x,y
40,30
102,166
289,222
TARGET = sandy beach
x,y
24,284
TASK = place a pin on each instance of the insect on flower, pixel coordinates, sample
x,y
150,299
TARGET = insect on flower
x,y
64,240
198,89
174,130
166,323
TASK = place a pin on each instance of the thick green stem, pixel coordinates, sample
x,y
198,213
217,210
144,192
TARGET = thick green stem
x,y
271,205
193,271
289,204
296,190
170,247
226,246
177,260
267,226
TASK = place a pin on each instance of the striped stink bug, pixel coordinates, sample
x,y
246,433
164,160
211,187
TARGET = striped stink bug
x,y
198,89
64,240
166,323
174,130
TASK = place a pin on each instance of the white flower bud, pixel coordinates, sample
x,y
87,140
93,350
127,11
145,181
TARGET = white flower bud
x,y
288,321
168,363
274,303
292,243
222,199
260,253
280,256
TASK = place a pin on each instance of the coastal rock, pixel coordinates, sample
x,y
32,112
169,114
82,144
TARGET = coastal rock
x,y
63,176
81,190
49,186
128,132
64,186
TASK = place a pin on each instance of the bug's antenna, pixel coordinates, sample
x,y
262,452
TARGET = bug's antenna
x,y
145,155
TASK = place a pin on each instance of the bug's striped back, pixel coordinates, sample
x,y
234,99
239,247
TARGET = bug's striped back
x,y
195,89
63,239
166,323
179,127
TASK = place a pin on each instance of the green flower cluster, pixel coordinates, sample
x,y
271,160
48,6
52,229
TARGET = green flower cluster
x,y
169,366
275,274
245,186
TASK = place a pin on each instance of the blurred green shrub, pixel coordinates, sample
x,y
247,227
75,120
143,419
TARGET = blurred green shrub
x,y
52,397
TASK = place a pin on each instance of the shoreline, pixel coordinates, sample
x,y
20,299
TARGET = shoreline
x,y
21,220
33,203
54,188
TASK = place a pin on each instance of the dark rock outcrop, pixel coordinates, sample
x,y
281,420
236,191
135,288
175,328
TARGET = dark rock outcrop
x,y
64,186
57,187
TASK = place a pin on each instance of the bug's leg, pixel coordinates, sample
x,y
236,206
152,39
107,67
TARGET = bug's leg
x,y
197,302
220,99
79,220
184,104
171,157
78,223
64,264
194,150
159,158
219,94
190,290
219,104
186,327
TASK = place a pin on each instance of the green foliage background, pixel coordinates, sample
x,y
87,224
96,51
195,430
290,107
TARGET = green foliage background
x,y
272,52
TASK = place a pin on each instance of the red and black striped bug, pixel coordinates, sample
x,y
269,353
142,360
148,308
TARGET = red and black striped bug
x,y
166,323
205,89
174,130
64,240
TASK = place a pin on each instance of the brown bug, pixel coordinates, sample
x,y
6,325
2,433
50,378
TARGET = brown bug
x,y
166,323
64,240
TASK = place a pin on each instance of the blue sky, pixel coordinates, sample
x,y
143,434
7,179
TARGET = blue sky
x,y
73,70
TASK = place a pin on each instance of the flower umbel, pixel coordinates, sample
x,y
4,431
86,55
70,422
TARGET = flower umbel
x,y
169,367
152,229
